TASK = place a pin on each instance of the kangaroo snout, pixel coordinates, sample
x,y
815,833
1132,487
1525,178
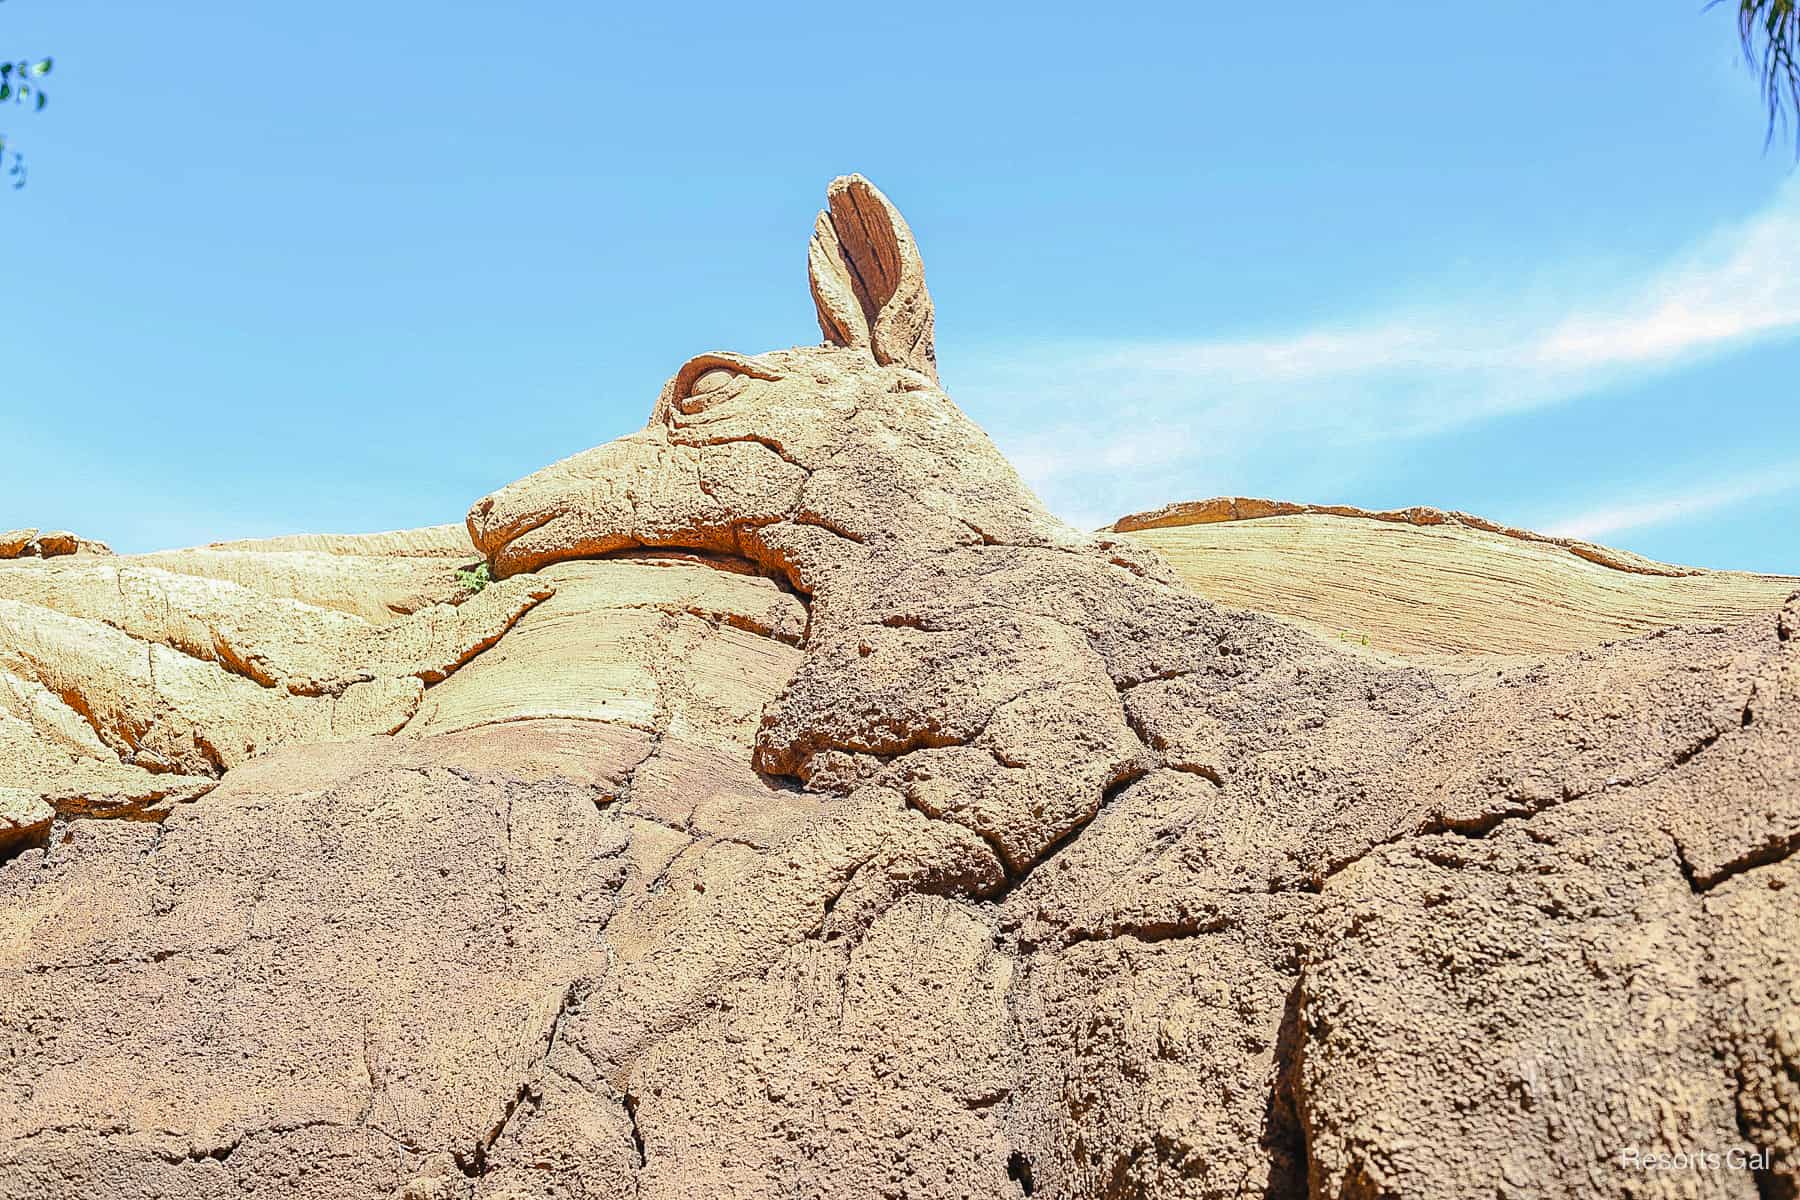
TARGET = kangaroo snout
x,y
498,518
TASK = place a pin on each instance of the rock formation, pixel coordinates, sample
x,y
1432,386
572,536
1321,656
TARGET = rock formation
x,y
1448,588
47,543
806,812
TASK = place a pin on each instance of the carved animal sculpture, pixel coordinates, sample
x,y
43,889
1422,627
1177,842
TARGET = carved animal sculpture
x,y
1063,882
974,659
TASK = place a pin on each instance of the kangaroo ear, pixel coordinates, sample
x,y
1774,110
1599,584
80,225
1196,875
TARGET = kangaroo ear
x,y
868,281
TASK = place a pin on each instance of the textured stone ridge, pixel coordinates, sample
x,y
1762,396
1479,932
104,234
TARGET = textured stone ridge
x,y
811,814
1245,508
436,541
1446,588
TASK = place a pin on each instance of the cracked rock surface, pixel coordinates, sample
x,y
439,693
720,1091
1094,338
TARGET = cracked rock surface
x,y
805,812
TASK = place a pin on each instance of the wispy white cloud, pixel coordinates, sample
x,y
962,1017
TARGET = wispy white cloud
x,y
1739,285
1074,417
1612,519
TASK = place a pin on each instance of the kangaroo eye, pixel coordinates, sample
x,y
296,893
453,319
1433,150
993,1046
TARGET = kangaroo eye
x,y
711,381
715,385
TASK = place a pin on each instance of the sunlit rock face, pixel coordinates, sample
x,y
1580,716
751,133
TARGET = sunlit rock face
x,y
793,807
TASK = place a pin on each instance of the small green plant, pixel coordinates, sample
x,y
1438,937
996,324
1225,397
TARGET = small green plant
x,y
476,579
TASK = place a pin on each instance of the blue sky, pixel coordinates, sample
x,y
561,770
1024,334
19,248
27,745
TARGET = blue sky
x,y
339,266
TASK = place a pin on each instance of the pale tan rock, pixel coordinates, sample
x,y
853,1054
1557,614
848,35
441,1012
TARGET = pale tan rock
x,y
166,711
49,717
374,588
277,643
50,751
663,647
191,675
433,541
77,783
1248,508
1444,588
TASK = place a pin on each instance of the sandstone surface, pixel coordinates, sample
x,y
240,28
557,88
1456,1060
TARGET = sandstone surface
x,y
805,812
1444,587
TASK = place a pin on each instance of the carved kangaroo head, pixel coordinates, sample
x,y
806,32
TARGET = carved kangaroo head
x,y
950,627
766,455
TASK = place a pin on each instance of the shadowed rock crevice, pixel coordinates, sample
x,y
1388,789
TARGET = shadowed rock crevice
x,y
637,1135
1772,851
25,834
1284,1127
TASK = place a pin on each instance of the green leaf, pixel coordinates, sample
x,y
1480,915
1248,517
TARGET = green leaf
x,y
5,70
5,91
41,68
42,100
